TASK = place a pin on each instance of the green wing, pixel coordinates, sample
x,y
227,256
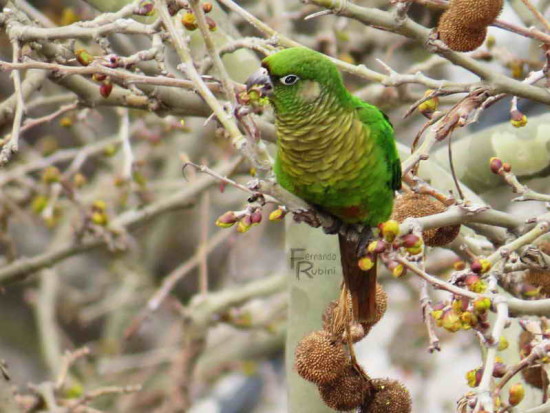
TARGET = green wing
x,y
382,130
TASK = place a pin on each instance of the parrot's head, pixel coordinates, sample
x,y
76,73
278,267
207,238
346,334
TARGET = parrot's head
x,y
296,78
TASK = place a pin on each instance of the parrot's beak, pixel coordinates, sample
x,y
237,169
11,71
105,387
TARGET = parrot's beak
x,y
260,82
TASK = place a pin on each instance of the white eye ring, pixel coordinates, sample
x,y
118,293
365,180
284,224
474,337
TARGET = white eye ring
x,y
289,80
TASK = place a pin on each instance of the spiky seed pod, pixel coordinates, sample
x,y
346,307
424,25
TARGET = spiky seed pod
x,y
320,358
474,14
458,38
463,27
539,278
389,396
420,205
347,392
535,376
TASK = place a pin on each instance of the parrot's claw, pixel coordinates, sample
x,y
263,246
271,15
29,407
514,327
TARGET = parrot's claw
x,y
358,233
352,232
334,228
308,216
362,234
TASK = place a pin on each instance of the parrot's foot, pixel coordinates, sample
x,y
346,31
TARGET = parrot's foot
x,y
334,228
352,232
363,235
308,216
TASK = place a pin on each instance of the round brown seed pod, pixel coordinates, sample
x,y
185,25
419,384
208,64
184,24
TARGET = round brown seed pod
x,y
348,392
388,396
539,278
460,39
463,27
413,205
320,358
473,14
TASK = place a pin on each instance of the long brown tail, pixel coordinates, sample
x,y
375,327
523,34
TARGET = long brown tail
x,y
361,284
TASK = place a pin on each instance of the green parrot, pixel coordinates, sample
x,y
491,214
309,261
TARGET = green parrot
x,y
333,150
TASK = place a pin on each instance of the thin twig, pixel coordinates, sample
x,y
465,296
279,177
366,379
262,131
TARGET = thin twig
x,y
128,155
538,15
226,81
484,396
538,352
102,391
257,154
69,358
452,168
203,243
11,144
124,76
426,305
31,123
542,227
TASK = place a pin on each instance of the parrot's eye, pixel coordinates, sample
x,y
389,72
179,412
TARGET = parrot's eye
x,y
289,80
